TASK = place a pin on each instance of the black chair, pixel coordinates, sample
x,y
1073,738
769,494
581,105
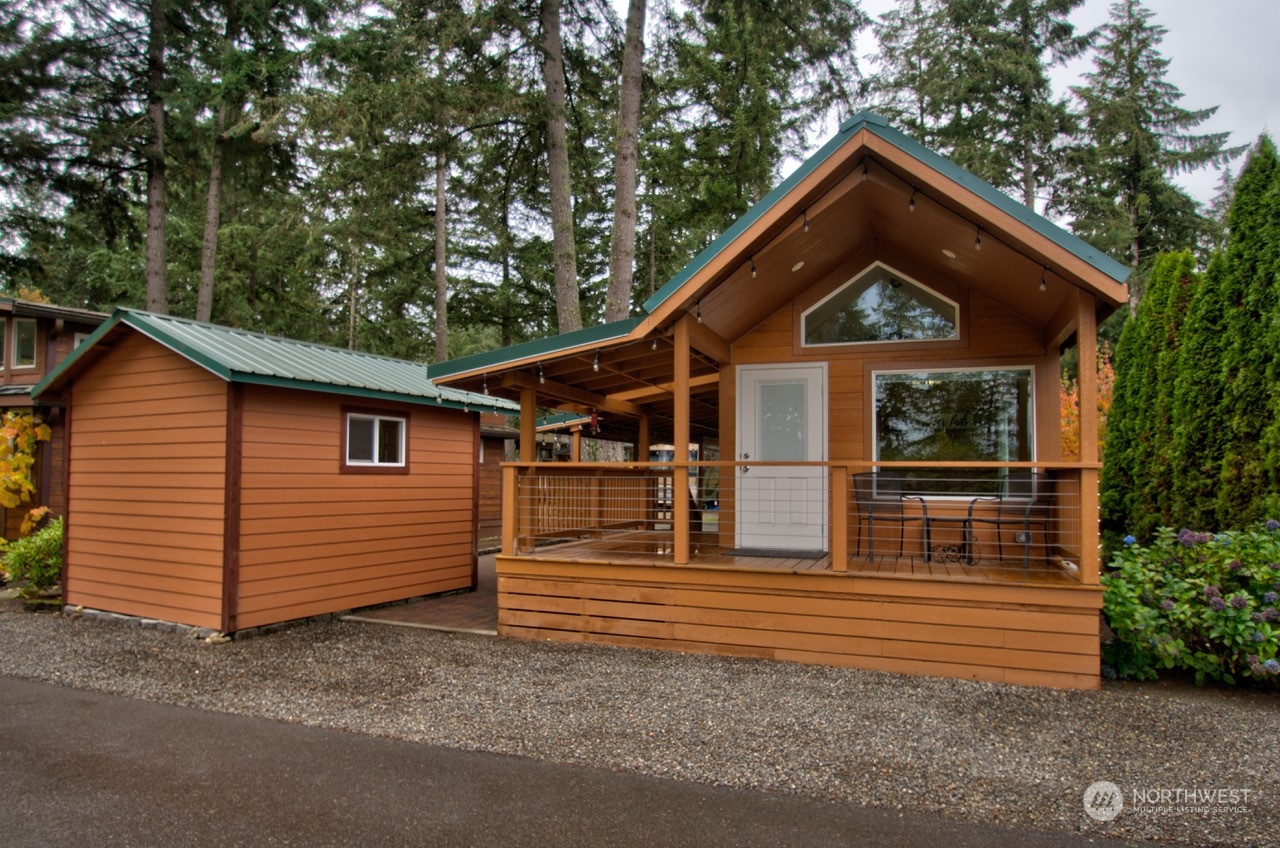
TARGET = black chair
x,y
1026,498
879,497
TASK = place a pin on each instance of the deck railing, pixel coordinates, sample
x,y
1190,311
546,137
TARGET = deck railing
x,y
936,518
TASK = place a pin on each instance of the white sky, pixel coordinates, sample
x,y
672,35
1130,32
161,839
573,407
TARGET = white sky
x,y
1224,53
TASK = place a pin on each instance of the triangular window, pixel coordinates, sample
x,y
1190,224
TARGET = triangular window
x,y
880,305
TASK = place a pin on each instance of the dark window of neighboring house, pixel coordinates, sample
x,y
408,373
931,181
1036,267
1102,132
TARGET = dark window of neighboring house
x,y
4,342
374,441
24,343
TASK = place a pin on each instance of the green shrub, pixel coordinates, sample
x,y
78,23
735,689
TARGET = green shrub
x,y
1200,602
37,558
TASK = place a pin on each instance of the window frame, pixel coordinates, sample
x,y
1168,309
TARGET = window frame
x,y
803,314
403,418
15,363
1032,418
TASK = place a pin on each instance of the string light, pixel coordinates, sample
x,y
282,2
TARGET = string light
x,y
595,364
542,378
1042,273
806,220
911,204
699,311
977,239
654,346
486,383
753,267
864,169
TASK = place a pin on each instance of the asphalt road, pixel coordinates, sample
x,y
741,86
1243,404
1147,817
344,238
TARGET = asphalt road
x,y
83,768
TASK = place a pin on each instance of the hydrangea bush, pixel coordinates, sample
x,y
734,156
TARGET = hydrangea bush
x,y
1202,602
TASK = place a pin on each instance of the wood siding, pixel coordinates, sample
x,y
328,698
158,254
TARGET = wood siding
x,y
314,540
147,456
1006,633
490,485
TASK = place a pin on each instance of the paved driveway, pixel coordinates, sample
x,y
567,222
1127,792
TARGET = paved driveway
x,y
81,768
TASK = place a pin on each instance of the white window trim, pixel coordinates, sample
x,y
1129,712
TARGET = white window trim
x,y
895,272
377,434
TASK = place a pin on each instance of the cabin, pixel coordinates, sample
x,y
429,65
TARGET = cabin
x,y
866,367
228,480
34,338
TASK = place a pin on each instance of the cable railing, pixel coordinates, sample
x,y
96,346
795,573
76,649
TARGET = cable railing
x,y
1013,521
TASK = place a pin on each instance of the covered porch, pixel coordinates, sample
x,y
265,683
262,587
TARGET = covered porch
x,y
862,398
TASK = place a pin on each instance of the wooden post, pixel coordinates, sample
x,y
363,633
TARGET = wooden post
x,y
528,424
510,531
575,452
839,518
648,508
642,439
680,462
1087,344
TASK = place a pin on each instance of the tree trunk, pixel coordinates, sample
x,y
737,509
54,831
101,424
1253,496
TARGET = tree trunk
x,y
568,310
157,294
623,254
442,287
212,220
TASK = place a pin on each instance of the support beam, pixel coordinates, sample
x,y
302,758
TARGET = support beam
x,y
1087,344
560,391
528,424
1063,322
680,492
703,338
661,390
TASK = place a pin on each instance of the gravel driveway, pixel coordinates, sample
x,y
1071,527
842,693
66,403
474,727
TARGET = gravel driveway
x,y
977,751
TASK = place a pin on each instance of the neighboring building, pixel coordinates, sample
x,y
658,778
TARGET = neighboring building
x,y
225,479
496,447
35,338
874,349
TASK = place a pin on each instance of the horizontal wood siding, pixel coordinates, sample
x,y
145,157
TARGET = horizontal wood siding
x,y
1010,633
314,540
146,482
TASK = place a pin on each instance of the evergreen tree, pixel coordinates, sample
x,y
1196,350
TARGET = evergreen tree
x,y
1136,137
1251,357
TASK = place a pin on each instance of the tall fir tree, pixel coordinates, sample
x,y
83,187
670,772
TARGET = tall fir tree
x,y
1136,137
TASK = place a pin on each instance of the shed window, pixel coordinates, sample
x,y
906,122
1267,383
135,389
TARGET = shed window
x,y
880,305
24,343
375,440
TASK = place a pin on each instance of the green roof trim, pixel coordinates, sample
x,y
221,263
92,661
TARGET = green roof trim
x,y
538,347
880,127
240,356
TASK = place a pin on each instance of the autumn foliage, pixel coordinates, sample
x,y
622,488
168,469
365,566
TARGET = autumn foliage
x,y
1069,406
19,434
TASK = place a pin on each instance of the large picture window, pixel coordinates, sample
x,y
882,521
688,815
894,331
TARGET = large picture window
x,y
375,441
880,305
966,415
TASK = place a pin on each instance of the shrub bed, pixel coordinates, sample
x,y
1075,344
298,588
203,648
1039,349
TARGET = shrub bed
x,y
1202,602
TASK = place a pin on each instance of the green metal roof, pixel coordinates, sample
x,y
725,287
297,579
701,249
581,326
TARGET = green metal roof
x,y
865,120
240,356
537,347
879,126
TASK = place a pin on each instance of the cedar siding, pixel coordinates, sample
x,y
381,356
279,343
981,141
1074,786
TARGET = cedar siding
x,y
147,462
314,539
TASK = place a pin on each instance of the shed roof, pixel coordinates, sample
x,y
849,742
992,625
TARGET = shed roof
x,y
240,356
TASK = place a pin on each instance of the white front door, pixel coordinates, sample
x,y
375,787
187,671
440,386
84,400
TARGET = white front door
x,y
782,417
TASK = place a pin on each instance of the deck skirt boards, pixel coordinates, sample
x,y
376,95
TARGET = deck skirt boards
x,y
1012,633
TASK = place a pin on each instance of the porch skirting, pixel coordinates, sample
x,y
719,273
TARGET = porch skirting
x,y
1004,632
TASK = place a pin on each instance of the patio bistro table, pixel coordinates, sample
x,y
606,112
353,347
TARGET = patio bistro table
x,y
965,551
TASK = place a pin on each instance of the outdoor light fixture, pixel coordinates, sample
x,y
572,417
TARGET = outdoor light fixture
x,y
698,314
911,204
806,220
654,346
864,169
1042,273
542,378
485,377
753,267
977,240
595,363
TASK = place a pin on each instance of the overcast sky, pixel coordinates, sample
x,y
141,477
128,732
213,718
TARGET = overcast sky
x,y
1224,53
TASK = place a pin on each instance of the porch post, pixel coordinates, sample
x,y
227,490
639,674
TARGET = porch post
x,y
576,451
642,439
680,462
839,524
1087,345
509,512
528,424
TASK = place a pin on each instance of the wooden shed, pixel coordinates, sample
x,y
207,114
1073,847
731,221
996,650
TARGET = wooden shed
x,y
227,480
868,364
